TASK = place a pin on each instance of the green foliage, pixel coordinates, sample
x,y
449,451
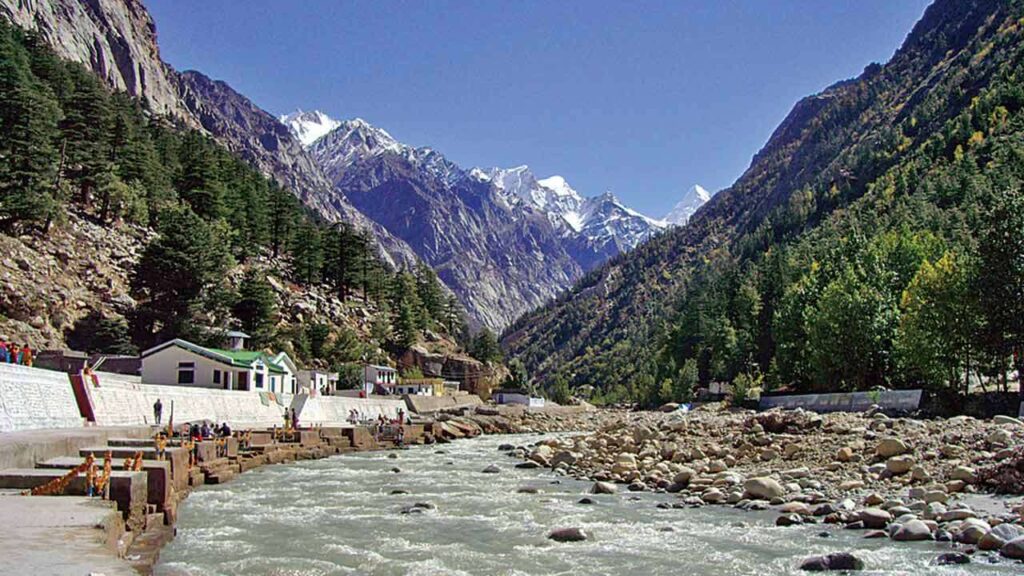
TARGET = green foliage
x,y
255,308
316,337
485,346
97,333
177,275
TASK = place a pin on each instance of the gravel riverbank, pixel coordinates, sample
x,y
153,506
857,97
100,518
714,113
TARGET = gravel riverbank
x,y
898,478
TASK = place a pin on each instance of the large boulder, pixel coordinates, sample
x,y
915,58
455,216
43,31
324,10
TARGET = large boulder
x,y
568,535
874,518
913,531
1013,549
763,488
603,488
998,536
834,561
899,464
889,447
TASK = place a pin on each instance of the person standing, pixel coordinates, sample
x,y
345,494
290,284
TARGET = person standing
x,y
26,356
158,411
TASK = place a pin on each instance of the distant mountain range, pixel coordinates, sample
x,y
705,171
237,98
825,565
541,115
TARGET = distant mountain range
x,y
502,239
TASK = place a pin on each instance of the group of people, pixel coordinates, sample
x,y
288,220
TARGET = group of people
x,y
291,418
11,353
199,432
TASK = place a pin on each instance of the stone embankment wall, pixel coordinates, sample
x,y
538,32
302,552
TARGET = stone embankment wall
x,y
124,401
431,404
334,410
32,398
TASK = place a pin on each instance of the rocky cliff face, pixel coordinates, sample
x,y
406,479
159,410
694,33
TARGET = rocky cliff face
x,y
115,38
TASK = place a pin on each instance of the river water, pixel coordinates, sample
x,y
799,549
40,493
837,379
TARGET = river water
x,y
338,516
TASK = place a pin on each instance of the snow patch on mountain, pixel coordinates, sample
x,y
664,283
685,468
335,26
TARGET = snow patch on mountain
x,y
694,198
308,127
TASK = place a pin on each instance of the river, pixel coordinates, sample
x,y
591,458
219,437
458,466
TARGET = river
x,y
339,516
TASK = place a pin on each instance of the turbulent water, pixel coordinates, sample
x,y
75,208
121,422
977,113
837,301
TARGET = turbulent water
x,y
338,516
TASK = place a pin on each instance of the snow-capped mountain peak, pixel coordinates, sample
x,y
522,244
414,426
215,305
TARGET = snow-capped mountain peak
x,y
694,198
308,127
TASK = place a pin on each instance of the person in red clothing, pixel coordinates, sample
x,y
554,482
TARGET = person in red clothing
x,y
26,356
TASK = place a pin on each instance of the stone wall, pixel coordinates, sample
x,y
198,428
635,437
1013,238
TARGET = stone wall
x,y
121,400
334,410
430,404
33,398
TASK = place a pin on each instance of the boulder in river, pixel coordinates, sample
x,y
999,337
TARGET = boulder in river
x,y
834,561
913,531
874,517
568,535
763,488
603,488
950,558
492,469
998,536
1013,549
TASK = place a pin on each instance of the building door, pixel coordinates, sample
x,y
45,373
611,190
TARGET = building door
x,y
243,381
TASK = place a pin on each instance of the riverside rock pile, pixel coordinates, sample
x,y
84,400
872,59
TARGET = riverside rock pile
x,y
897,478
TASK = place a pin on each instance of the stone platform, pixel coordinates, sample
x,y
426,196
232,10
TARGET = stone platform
x,y
61,536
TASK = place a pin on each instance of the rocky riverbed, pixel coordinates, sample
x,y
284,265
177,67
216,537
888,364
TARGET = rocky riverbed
x,y
902,479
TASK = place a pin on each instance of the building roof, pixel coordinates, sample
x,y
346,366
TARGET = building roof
x,y
239,358
236,334
381,368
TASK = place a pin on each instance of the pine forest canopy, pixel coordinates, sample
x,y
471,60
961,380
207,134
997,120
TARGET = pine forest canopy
x,y
71,144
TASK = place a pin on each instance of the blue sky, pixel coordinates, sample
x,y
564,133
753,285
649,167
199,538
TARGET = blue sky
x,y
641,98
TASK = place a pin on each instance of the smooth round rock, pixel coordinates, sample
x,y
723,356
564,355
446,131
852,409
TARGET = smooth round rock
x,y
568,535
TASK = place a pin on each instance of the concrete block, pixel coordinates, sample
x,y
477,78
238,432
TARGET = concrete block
x,y
128,489
158,477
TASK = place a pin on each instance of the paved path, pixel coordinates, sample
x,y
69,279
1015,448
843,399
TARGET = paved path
x,y
60,535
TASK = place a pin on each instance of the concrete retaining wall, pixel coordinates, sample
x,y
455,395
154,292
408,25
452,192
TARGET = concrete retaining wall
x,y
430,404
33,398
334,410
121,401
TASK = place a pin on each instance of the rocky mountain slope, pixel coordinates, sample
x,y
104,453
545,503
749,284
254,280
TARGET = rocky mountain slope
x,y
827,157
117,39
499,259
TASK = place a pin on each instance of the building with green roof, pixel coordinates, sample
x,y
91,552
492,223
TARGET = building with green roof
x,y
181,363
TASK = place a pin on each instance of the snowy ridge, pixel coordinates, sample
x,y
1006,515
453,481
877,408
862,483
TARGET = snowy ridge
x,y
682,212
600,219
308,127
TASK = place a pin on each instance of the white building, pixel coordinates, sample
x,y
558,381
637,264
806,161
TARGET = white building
x,y
375,376
517,397
181,363
316,382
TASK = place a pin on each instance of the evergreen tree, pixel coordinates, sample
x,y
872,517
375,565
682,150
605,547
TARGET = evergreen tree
x,y
485,346
176,271
307,255
28,120
255,308
1000,279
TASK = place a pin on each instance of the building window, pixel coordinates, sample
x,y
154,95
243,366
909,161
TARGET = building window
x,y
259,380
216,376
186,376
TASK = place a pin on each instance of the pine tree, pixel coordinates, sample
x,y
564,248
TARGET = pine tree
x,y
177,269
255,308
307,255
28,120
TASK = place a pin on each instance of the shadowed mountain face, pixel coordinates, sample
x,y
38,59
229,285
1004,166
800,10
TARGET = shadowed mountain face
x,y
501,259
825,157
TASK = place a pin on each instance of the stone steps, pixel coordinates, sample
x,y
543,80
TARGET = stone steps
x,y
128,489
160,486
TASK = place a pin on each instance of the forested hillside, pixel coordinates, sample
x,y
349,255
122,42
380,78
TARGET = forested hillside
x,y
74,154
876,240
